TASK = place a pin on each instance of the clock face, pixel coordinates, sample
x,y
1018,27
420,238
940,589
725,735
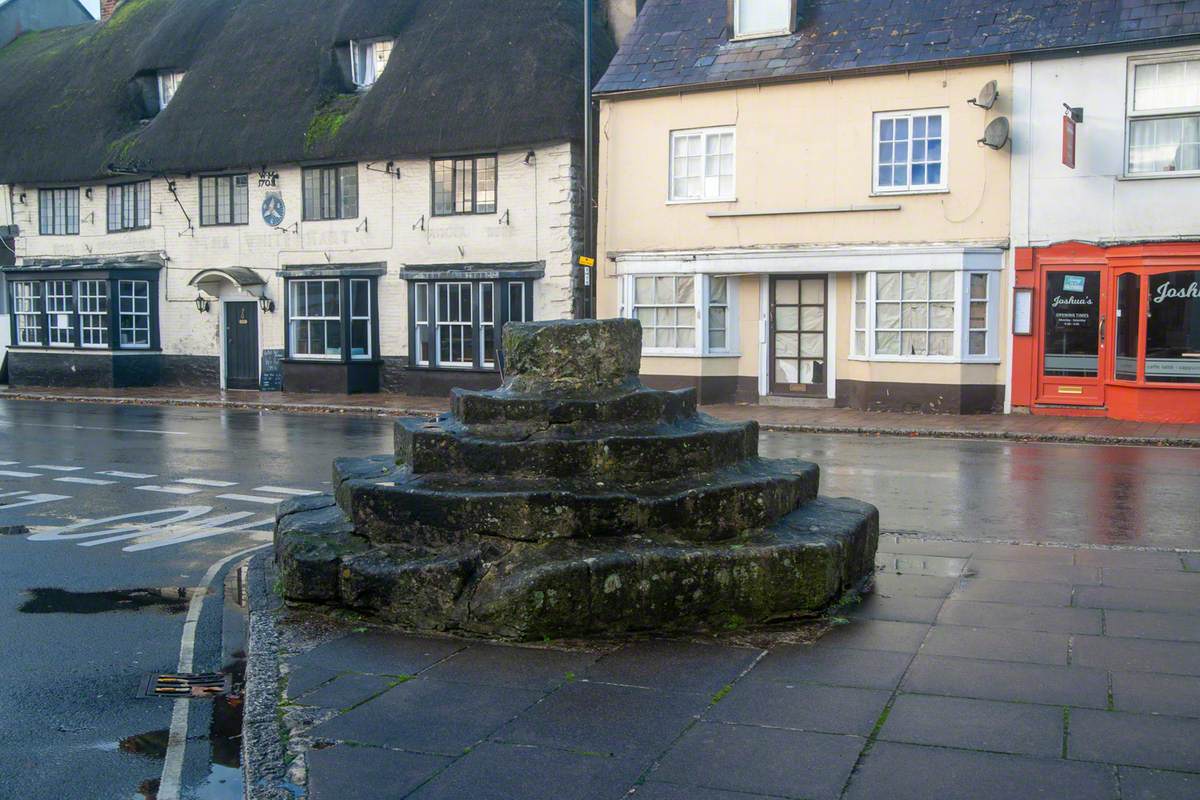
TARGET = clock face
x,y
274,210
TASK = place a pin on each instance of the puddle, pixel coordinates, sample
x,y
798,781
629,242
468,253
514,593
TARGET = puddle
x,y
148,790
172,600
152,744
932,566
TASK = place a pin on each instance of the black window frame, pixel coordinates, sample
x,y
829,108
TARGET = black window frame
x,y
454,199
320,170
74,277
233,192
123,187
345,315
67,191
501,315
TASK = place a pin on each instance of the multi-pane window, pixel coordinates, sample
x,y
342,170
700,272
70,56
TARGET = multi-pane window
x,y
858,345
129,206
331,192
910,155
516,302
1164,117
58,212
421,332
762,17
225,200
914,314
360,318
93,313
702,165
718,313
464,185
487,324
60,312
977,315
454,325
666,307
27,306
168,84
368,60
315,316
133,306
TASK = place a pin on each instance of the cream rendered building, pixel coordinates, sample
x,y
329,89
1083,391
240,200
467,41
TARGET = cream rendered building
x,y
840,239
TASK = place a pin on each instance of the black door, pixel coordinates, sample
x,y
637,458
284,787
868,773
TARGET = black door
x,y
241,345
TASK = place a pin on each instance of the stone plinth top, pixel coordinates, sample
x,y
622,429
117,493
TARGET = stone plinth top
x,y
571,356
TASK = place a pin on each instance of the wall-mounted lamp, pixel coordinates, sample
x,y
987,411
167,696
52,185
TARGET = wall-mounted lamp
x,y
201,304
1074,112
88,193
530,158
266,304
21,198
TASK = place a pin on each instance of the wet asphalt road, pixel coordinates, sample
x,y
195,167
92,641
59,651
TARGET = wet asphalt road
x,y
69,678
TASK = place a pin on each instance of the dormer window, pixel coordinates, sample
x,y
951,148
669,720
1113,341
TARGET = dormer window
x,y
168,84
368,60
753,18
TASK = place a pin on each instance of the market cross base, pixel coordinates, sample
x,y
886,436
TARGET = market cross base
x,y
573,501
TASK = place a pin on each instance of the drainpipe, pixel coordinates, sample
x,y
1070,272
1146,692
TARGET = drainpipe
x,y
589,219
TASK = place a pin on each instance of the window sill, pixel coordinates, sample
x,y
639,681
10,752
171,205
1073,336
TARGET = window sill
x,y
701,201
749,37
1159,176
99,351
476,370
223,224
908,192
924,360
649,353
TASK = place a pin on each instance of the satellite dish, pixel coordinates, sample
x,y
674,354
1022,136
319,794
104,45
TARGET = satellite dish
x,y
995,135
987,96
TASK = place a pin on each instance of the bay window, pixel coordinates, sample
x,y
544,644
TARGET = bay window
x,y
60,309
330,192
1164,117
1173,327
702,165
924,315
27,312
128,206
58,212
93,313
684,314
457,324
95,310
133,298
332,319
910,153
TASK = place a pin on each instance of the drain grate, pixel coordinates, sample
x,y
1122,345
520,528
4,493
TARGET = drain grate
x,y
189,686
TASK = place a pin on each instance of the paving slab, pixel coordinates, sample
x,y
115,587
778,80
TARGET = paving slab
x,y
429,716
1113,597
1141,740
1033,572
495,771
984,590
1152,625
1137,655
345,772
891,543
1020,617
719,756
1149,784
656,790
1006,680
922,565
1030,553
895,609
301,680
519,667
1017,728
806,707
346,691
997,645
909,772
604,718
834,666
891,585
1149,693
1130,559
1154,580
379,653
874,634
1192,562
676,666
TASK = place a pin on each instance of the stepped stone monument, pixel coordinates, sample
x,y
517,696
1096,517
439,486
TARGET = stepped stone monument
x,y
574,501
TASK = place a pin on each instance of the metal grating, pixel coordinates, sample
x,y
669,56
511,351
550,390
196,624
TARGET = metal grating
x,y
188,686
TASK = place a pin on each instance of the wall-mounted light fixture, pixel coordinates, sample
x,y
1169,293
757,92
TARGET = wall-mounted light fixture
x,y
201,304
266,304
88,193
530,158
21,198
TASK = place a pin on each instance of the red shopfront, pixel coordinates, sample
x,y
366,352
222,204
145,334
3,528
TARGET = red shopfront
x,y
1113,331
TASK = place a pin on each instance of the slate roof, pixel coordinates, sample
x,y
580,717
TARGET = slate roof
x,y
677,43
268,83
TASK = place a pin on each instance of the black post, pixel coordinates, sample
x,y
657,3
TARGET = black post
x,y
589,218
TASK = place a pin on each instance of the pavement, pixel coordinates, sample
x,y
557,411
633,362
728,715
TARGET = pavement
x,y
1013,427
974,671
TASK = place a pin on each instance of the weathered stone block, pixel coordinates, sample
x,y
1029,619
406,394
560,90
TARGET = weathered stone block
x,y
572,356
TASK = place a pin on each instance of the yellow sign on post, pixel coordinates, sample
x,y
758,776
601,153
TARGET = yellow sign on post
x,y
587,261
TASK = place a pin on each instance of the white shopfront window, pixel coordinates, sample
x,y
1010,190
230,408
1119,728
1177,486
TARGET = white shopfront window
x,y
684,314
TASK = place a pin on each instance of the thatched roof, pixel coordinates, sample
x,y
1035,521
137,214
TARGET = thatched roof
x,y
267,83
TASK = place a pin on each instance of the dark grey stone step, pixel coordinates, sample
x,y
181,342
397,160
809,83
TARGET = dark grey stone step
x,y
635,403
395,506
620,453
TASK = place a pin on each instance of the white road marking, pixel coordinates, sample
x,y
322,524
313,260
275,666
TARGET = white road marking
x,y
5,473
185,490
35,500
169,531
141,476
172,774
139,521
91,428
249,498
85,481
285,490
9,463
14,494
204,482
55,468
206,532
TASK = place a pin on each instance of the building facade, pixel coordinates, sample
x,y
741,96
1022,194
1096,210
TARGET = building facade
x,y
369,222
22,16
1106,181
804,205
